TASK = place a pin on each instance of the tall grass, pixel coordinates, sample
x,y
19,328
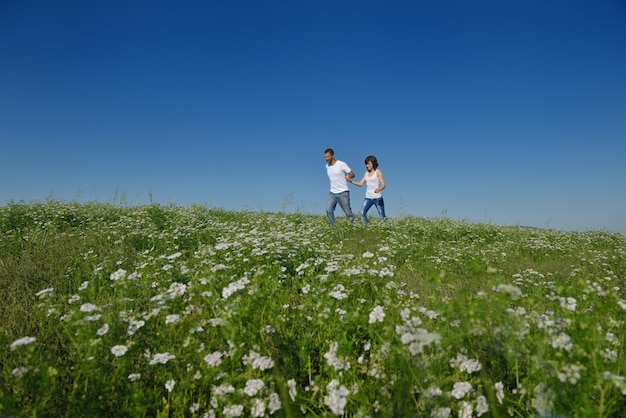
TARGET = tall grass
x,y
191,311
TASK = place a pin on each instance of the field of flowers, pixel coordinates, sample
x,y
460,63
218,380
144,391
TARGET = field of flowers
x,y
172,311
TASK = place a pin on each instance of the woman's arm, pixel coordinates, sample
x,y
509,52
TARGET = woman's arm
x,y
360,182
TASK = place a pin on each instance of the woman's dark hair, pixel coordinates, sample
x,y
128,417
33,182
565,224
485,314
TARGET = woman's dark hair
x,y
373,160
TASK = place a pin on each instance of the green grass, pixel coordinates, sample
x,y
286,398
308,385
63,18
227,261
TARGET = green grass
x,y
191,311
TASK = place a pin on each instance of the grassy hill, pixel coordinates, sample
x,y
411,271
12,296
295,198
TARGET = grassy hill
x,y
192,311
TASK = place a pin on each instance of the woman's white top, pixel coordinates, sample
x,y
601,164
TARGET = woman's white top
x,y
372,181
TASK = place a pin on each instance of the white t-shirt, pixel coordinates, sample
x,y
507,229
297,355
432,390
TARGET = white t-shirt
x,y
337,174
373,183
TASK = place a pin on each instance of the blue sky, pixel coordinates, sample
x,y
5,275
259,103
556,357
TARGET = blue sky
x,y
508,112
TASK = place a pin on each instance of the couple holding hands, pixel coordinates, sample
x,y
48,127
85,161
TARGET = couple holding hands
x,y
340,175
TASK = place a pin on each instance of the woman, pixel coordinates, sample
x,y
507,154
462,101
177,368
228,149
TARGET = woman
x,y
375,185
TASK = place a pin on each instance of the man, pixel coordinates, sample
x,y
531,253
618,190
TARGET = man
x,y
339,174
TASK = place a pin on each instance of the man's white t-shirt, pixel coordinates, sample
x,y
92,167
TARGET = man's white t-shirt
x,y
337,174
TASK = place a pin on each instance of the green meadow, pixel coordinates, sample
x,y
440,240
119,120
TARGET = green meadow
x,y
169,311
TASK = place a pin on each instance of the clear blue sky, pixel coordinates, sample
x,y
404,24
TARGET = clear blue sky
x,y
508,112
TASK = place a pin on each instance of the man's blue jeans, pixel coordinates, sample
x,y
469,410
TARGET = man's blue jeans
x,y
343,199
380,207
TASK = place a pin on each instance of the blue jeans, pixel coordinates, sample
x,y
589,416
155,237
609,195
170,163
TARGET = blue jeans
x,y
380,207
343,199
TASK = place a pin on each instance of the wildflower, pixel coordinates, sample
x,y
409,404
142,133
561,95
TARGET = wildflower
x,y
622,304
336,399
157,298
417,339
88,307
161,358
133,377
460,389
176,289
257,409
300,269
217,322
83,285
367,254
218,267
291,383
610,337
234,286
440,413
257,361
263,363
377,314
73,299
610,356
338,292
173,256
22,341
223,390
465,409
93,318
563,341
499,392
569,373
134,326
470,366
455,362
482,406
153,312
568,303
432,392
18,371
268,329
509,289
617,380
233,410
429,314
333,360
169,385
119,350
170,319
44,292
117,275
253,386
353,271
195,407
386,272
134,275
543,400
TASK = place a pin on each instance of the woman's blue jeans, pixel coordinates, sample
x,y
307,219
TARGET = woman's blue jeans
x,y
343,199
380,207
